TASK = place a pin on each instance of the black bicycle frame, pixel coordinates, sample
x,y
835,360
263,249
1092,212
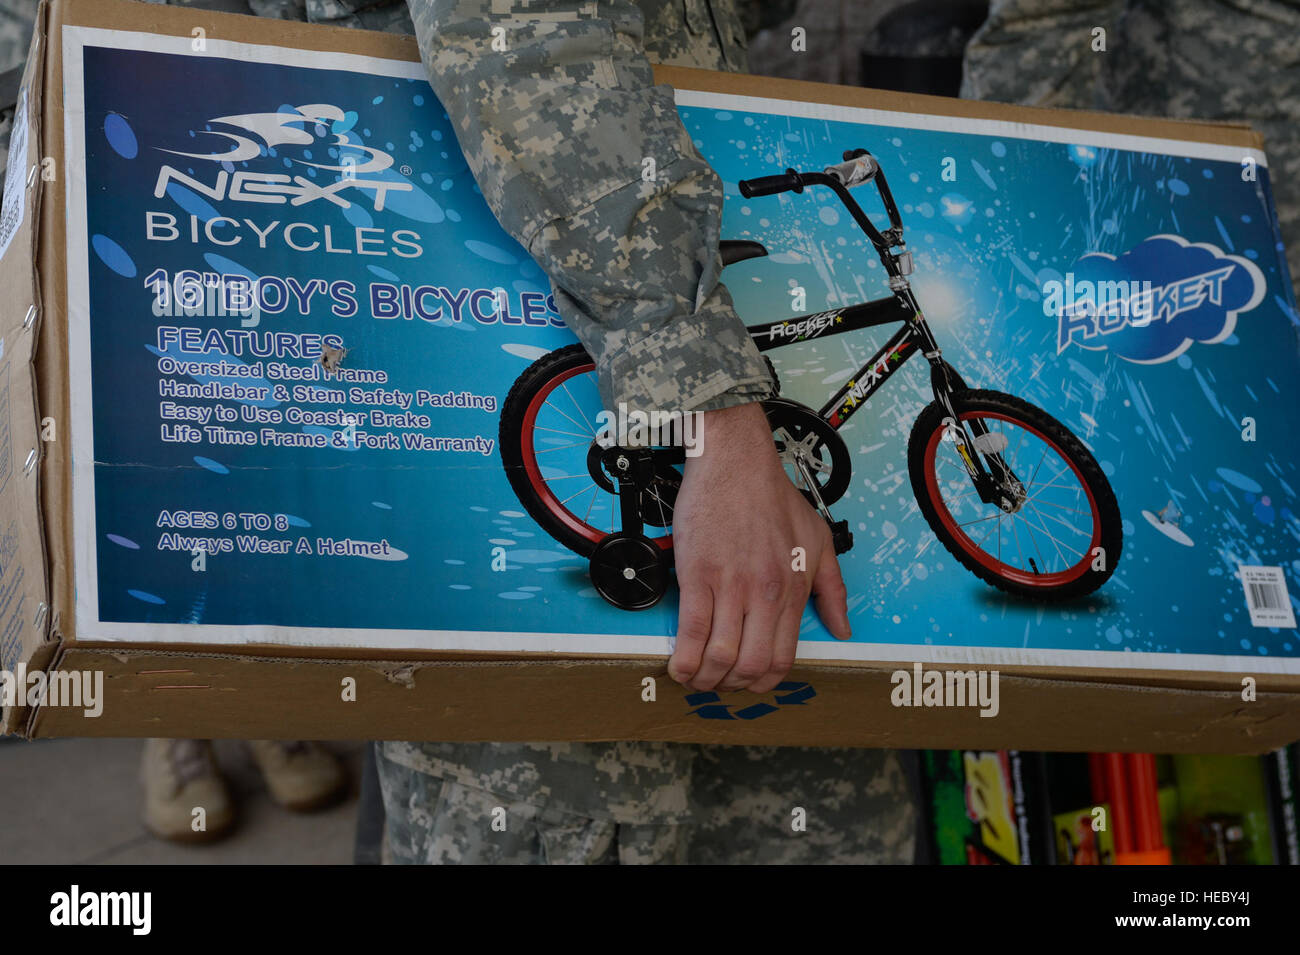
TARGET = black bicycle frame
x,y
900,307
855,392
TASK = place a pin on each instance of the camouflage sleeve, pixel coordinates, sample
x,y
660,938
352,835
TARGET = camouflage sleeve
x,y
16,20
758,15
1039,52
1195,59
584,160
390,16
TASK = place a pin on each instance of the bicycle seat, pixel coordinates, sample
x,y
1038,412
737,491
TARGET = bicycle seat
x,y
737,250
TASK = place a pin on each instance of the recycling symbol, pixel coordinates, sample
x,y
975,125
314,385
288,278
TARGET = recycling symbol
x,y
709,706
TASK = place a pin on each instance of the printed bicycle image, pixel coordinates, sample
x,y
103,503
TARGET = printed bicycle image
x,y
1008,490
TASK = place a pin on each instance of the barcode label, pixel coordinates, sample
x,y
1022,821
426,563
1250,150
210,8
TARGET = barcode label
x,y
1266,596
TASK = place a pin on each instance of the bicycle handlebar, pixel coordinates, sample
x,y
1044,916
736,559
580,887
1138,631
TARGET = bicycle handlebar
x,y
859,166
854,172
789,181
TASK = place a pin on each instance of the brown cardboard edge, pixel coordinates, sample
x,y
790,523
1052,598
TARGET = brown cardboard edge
x,y
244,28
231,696
1168,679
805,91
52,393
39,615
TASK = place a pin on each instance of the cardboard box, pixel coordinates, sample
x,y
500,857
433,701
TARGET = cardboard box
x,y
326,581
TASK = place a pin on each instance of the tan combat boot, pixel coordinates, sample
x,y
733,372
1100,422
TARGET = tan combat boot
x,y
301,776
180,776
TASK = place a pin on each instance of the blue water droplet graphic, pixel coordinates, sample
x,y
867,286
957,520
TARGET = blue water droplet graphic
x,y
216,467
113,255
120,136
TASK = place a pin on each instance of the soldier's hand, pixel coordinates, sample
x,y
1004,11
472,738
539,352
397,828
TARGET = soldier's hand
x,y
736,524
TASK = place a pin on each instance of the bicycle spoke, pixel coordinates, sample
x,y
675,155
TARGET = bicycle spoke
x,y
1016,537
572,434
1000,514
1029,529
958,464
1044,487
1030,482
989,533
1077,530
576,423
578,407
1065,562
562,447
1019,444
659,503
576,493
1062,507
1048,533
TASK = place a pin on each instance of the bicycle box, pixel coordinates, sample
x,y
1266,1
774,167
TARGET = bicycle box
x,y
189,518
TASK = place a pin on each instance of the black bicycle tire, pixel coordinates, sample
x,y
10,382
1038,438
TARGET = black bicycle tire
x,y
1112,531
510,441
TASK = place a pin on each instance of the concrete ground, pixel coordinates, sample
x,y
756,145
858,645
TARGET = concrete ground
x,y
78,801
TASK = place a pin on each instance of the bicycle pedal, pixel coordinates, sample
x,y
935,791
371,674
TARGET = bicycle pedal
x,y
841,536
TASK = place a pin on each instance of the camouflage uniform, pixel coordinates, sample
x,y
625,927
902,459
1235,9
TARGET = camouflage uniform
x,y
1193,59
556,124
556,127
643,802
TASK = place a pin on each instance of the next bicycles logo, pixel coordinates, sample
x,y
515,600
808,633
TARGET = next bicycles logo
x,y
262,134
1151,303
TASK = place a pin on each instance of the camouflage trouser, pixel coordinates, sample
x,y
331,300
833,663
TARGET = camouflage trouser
x,y
436,820
1190,59
735,805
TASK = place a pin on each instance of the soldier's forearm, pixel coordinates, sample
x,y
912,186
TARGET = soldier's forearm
x,y
585,161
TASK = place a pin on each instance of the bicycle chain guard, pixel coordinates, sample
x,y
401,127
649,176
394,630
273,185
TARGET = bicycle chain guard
x,y
803,435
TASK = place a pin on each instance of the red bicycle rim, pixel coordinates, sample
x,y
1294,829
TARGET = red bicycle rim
x,y
552,503
986,560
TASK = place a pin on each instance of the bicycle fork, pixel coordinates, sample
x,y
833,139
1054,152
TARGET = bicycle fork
x,y
974,446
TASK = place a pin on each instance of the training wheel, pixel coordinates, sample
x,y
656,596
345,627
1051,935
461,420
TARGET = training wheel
x,y
630,571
